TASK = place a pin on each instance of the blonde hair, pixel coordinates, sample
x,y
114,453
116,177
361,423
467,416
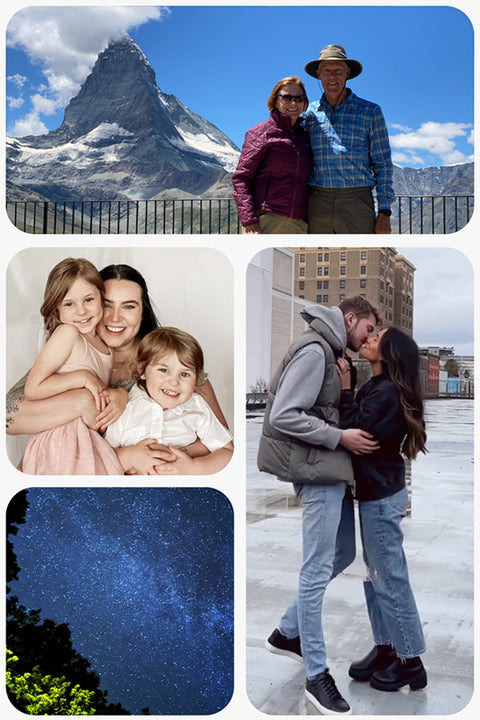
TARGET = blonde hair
x,y
292,80
59,281
163,340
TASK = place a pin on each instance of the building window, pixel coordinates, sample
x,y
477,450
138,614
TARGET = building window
x,y
343,256
325,284
319,284
326,257
302,296
320,257
302,257
363,255
301,285
342,284
326,271
319,298
363,283
363,269
302,272
325,298
343,270
341,297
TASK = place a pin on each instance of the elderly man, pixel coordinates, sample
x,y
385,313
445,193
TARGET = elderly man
x,y
351,153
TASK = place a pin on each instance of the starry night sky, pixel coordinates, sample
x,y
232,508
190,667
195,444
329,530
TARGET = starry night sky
x,y
144,579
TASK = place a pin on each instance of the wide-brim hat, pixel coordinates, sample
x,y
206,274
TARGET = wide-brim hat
x,y
334,52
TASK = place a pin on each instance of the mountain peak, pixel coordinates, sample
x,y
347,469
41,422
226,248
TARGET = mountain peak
x,y
122,137
120,89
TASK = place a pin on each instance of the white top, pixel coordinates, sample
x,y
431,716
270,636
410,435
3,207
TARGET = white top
x,y
179,426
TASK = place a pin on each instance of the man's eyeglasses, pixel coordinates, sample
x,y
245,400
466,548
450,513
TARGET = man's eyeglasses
x,y
292,98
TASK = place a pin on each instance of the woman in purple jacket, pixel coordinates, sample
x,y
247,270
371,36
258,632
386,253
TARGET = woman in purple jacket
x,y
270,184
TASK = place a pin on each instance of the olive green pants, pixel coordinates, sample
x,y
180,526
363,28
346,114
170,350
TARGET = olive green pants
x,y
273,224
341,210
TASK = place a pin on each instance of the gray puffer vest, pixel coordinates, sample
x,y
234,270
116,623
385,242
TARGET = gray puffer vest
x,y
291,459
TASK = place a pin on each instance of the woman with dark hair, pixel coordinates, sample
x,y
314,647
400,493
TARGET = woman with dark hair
x,y
128,315
270,183
126,272
390,407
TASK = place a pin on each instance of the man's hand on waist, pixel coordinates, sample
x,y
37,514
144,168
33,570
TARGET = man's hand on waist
x,y
358,442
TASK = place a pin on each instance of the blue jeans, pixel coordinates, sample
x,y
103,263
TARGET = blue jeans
x,y
328,529
391,605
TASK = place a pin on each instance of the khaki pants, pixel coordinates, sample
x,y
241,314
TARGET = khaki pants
x,y
341,210
273,224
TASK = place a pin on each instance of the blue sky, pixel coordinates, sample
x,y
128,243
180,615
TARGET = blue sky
x,y
222,62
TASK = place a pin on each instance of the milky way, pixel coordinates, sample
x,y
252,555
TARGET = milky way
x,y
144,579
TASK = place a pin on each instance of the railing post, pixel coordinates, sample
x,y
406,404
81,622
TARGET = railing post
x,y
45,218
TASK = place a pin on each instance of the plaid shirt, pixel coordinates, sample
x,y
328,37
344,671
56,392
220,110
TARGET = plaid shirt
x,y
350,147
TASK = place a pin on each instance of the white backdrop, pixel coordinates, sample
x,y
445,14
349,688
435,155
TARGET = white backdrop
x,y
191,288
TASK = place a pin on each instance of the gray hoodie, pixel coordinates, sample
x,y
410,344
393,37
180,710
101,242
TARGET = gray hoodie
x,y
300,434
302,380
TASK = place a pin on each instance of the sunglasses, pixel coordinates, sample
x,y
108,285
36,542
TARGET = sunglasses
x,y
292,98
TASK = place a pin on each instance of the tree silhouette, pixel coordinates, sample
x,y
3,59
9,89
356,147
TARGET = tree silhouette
x,y
44,648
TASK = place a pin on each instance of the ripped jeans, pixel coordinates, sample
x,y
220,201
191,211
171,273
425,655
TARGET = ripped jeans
x,y
391,605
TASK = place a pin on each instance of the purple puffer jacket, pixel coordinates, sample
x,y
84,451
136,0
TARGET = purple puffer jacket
x,y
273,170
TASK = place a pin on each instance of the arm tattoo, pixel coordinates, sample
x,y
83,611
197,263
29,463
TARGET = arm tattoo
x,y
14,397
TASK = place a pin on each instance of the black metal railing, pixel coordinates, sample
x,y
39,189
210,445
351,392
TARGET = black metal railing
x,y
430,214
411,215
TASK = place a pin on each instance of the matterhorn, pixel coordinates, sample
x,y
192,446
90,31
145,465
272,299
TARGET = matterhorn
x,y
122,138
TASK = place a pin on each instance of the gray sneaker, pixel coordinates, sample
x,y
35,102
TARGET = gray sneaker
x,y
324,695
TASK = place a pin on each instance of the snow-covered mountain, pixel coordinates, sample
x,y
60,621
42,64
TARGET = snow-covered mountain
x,y
122,138
441,180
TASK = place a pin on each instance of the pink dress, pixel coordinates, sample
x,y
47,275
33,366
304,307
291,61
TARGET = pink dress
x,y
74,449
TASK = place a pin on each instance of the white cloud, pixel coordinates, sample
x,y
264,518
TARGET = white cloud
x,y
402,128
410,158
28,125
15,102
435,138
65,42
18,80
43,105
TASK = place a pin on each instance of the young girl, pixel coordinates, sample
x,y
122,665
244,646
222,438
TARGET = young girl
x,y
73,357
390,407
164,406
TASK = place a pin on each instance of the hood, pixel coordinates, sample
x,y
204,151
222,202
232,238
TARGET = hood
x,y
329,323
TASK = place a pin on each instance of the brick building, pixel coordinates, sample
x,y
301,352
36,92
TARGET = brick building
x,y
327,275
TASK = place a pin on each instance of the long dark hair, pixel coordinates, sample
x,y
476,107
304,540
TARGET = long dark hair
x,y
126,272
401,365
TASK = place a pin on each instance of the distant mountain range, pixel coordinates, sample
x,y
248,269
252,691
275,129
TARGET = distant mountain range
x,y
122,138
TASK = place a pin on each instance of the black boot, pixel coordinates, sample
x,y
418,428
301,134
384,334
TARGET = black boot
x,y
379,658
400,673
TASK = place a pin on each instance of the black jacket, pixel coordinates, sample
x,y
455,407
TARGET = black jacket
x,y
376,408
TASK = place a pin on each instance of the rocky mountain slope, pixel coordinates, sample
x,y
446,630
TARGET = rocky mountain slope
x,y
122,138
